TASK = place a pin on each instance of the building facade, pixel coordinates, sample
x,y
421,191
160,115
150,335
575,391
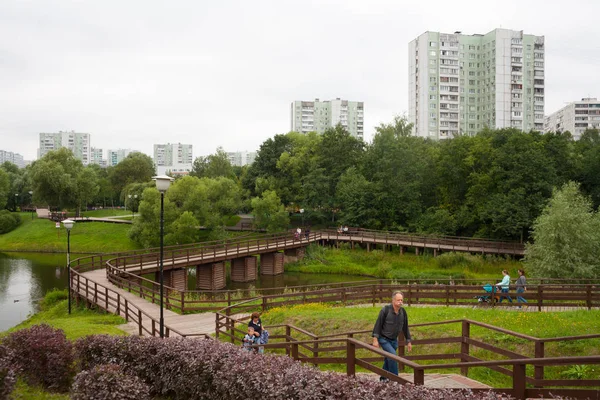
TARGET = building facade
x,y
241,158
318,116
78,143
575,117
97,157
113,157
175,159
11,157
460,84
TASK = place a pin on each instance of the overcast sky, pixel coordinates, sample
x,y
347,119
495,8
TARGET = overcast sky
x,y
223,73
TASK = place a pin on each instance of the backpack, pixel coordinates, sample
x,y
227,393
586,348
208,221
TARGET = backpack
x,y
264,337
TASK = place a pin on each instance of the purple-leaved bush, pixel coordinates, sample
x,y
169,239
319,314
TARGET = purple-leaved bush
x,y
208,369
43,356
8,377
108,381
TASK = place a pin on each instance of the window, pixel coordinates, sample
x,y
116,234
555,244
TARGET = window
x,y
432,53
432,44
432,106
432,62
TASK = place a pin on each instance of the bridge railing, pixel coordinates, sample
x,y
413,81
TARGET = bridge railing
x,y
458,350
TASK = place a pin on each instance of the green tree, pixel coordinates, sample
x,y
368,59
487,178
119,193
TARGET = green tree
x,y
146,226
184,229
87,187
265,164
4,188
136,167
213,166
54,178
566,237
269,213
355,195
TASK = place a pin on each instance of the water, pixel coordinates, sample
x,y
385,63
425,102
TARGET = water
x,y
24,281
25,278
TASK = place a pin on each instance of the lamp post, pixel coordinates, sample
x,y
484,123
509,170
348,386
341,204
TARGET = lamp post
x,y
302,213
131,206
31,201
69,224
16,201
162,184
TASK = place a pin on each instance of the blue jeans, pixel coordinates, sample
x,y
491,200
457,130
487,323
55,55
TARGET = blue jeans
x,y
390,346
519,298
502,297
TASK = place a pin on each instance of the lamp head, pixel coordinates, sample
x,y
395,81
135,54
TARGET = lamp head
x,y
162,182
301,210
68,224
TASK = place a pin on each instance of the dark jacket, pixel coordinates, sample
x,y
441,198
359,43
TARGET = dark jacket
x,y
390,324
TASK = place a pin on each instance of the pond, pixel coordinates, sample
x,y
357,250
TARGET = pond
x,y
26,277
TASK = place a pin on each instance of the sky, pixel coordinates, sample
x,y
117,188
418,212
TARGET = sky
x,y
223,73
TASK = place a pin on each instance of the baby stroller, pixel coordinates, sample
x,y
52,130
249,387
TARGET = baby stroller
x,y
487,298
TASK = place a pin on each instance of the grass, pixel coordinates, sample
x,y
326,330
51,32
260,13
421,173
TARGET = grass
x,y
322,320
86,237
392,265
107,213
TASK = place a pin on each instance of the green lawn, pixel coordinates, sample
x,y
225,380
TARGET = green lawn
x,y
86,237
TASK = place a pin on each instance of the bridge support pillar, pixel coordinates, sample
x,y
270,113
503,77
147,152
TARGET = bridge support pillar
x,y
416,251
271,263
293,255
210,276
368,246
243,269
435,252
402,250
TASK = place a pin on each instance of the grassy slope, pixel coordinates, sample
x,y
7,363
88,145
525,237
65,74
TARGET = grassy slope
x,y
86,237
323,320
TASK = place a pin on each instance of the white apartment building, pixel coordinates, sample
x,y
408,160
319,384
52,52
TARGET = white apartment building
x,y
78,143
176,159
575,117
11,157
113,157
459,84
97,157
318,116
241,158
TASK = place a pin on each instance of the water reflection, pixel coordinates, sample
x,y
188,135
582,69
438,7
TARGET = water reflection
x,y
24,281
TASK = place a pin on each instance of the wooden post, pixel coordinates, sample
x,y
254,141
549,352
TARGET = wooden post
x,y
538,370
419,376
464,346
295,351
288,333
316,350
519,388
401,352
140,323
217,330
350,358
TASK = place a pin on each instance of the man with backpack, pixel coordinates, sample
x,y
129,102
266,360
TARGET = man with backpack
x,y
391,321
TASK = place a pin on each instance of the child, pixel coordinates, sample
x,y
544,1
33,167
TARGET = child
x,y
249,339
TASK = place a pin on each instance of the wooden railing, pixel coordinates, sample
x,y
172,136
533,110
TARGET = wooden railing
x,y
345,349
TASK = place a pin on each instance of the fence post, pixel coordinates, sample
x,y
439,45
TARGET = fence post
x,y
126,310
264,304
538,370
183,302
540,294
288,333
228,299
140,323
217,330
231,323
519,387
295,351
464,346
350,358
588,289
419,376
316,350
118,304
401,352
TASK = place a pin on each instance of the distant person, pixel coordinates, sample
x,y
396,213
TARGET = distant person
x,y
256,324
346,229
298,233
504,285
249,340
521,285
340,229
391,321
307,232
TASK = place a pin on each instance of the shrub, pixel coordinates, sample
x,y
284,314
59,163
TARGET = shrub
x,y
8,221
7,372
449,260
207,369
54,296
43,355
108,382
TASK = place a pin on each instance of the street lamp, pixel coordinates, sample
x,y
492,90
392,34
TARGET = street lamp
x,y
31,201
162,184
130,206
16,201
69,224
302,213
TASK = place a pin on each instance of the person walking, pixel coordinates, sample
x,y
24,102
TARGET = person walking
x,y
391,321
521,285
256,324
504,286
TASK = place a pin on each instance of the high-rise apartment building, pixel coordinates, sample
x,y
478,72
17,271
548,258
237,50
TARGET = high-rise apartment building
x,y
11,157
575,117
174,158
318,116
113,157
459,84
241,158
78,143
97,157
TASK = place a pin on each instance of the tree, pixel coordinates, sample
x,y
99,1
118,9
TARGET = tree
x,y
269,213
184,229
4,188
87,187
54,178
136,167
146,226
265,164
566,237
213,166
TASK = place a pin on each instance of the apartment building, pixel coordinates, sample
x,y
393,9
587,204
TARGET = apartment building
x,y
575,117
459,84
113,157
11,157
176,159
78,143
97,157
241,158
318,116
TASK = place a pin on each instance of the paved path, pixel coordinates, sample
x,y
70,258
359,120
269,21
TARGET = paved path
x,y
189,324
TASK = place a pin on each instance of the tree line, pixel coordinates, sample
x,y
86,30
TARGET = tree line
x,y
492,185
